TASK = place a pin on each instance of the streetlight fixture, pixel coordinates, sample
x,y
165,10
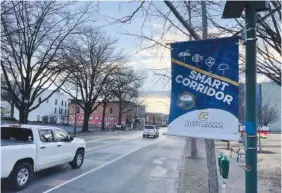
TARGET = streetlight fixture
x,y
234,9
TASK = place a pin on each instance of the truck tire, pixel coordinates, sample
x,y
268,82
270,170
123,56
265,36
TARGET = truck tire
x,y
20,176
78,159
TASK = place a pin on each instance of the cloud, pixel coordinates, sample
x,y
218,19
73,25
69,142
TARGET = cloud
x,y
157,56
157,104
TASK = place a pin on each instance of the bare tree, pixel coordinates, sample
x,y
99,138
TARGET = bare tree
x,y
134,111
269,43
107,95
268,114
6,96
127,89
33,33
191,20
184,18
7,8
96,59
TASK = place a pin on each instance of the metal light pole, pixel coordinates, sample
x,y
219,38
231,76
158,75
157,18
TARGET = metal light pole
x,y
251,109
75,106
234,9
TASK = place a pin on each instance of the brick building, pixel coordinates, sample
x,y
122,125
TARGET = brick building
x,y
111,114
158,119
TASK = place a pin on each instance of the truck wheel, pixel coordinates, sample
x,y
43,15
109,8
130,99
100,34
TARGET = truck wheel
x,y
20,176
144,136
78,159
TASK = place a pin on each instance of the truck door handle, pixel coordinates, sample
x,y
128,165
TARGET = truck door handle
x,y
43,147
59,145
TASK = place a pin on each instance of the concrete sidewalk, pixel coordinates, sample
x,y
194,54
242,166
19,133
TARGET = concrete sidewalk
x,y
194,174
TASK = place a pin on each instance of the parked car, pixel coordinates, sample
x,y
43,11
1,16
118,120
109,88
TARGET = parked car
x,y
150,130
26,149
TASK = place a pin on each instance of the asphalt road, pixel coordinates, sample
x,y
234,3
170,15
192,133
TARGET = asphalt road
x,y
117,164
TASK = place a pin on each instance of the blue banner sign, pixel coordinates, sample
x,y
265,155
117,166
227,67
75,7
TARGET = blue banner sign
x,y
205,88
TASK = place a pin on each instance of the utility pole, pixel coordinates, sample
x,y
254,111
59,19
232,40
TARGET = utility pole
x,y
210,147
251,110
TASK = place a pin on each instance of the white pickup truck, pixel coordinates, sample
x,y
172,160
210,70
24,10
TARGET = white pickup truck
x,y
29,148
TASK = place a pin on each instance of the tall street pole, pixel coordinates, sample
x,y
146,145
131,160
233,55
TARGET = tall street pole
x,y
234,10
251,110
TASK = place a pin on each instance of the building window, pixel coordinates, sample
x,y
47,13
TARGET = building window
x,y
65,111
56,101
65,103
39,100
55,110
111,110
62,103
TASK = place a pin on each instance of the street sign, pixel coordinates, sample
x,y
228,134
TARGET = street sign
x,y
204,97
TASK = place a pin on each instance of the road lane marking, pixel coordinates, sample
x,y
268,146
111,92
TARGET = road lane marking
x,y
101,139
98,139
111,144
97,168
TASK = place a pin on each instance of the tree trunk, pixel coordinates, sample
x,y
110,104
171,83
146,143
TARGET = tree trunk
x,y
193,154
86,121
12,110
119,113
259,141
210,147
211,164
23,117
103,116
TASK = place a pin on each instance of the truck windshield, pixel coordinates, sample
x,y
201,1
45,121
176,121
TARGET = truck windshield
x,y
16,134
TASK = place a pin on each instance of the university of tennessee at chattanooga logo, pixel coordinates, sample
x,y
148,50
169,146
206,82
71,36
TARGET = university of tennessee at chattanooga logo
x,y
186,100
203,116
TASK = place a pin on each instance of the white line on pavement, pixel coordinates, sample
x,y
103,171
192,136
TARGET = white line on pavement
x,y
97,168
98,139
105,138
111,144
